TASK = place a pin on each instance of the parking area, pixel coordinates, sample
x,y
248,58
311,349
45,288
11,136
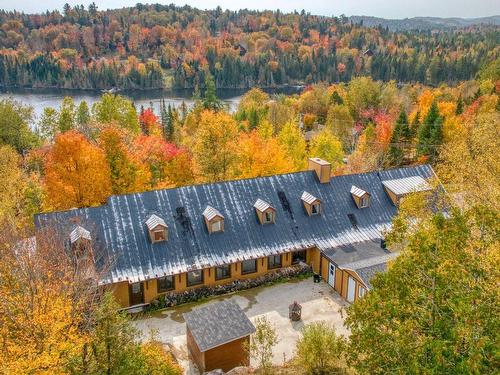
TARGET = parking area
x,y
319,302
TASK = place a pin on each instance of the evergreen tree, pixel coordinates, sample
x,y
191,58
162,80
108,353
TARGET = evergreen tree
x,y
336,98
210,99
401,136
460,106
430,133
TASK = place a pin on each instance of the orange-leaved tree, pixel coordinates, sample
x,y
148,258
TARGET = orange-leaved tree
x,y
76,173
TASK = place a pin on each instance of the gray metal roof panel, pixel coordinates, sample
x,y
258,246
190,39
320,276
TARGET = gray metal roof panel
x,y
217,324
120,235
407,185
368,268
354,252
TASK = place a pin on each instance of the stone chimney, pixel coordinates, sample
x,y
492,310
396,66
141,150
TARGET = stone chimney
x,y
322,168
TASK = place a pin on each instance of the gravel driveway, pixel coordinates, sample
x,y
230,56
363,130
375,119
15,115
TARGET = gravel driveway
x,y
319,302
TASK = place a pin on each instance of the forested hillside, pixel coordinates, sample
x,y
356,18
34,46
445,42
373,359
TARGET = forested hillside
x,y
156,46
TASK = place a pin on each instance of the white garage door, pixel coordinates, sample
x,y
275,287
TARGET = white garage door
x,y
351,287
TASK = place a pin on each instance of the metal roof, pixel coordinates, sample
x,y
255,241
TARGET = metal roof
x,y
308,197
79,232
153,221
211,212
217,324
406,185
119,233
358,192
262,205
367,268
354,252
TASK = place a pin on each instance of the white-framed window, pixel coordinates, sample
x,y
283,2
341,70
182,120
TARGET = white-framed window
x,y
159,235
217,226
269,217
315,209
365,201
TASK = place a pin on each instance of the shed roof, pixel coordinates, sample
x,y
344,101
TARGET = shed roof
x,y
406,185
217,324
211,212
119,234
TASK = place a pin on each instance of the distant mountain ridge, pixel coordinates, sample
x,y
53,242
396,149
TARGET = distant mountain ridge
x,y
425,23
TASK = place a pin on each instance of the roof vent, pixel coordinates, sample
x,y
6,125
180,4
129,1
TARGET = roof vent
x,y
213,219
265,212
157,228
312,204
360,197
79,233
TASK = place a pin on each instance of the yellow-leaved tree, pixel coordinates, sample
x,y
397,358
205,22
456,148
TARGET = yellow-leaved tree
x,y
76,173
214,148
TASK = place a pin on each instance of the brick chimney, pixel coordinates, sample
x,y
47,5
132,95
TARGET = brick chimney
x,y
322,168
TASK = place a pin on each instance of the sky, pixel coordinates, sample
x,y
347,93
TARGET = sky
x,y
377,8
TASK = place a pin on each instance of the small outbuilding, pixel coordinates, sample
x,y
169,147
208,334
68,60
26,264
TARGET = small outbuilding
x,y
218,335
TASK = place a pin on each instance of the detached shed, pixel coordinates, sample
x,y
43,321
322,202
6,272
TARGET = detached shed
x,y
217,335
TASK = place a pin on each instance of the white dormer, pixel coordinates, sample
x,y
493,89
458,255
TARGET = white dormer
x,y
213,219
157,228
265,212
360,197
311,203
79,233
398,188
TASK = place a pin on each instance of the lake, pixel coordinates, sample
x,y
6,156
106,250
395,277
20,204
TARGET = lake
x,y
41,98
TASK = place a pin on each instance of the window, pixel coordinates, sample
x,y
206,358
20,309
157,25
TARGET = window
x,y
159,235
365,201
249,266
195,278
273,261
216,226
315,209
269,217
223,272
361,291
164,284
299,256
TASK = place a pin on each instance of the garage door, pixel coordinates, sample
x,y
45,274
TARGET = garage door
x,y
351,287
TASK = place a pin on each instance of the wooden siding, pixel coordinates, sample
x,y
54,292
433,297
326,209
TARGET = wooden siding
x,y
194,352
228,356
121,290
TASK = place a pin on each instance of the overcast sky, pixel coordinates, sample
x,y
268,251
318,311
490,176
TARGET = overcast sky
x,y
378,8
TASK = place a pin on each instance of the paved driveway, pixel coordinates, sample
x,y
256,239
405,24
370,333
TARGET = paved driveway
x,y
319,302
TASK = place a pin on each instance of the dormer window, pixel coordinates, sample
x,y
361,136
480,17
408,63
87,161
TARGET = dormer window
x,y
81,246
213,219
312,204
265,212
398,188
80,234
157,228
360,197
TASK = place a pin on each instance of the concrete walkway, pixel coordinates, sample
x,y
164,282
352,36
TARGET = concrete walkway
x,y
319,302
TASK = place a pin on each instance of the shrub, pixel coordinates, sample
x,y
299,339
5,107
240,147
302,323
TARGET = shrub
x,y
319,350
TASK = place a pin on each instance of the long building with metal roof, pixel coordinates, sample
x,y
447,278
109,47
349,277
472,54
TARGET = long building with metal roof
x,y
123,237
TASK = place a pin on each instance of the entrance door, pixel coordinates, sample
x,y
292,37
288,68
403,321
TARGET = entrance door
x,y
136,294
351,286
331,275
